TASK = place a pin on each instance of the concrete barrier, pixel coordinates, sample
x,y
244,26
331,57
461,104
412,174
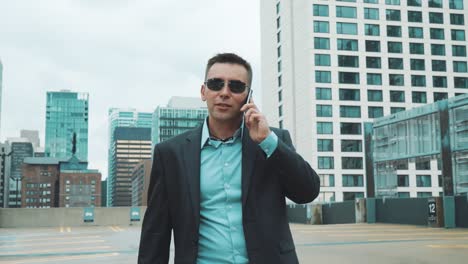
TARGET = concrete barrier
x,y
56,217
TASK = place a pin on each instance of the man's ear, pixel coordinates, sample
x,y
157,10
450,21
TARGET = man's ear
x,y
202,92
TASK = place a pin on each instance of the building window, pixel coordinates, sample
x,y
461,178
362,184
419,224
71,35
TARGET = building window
x,y
439,65
397,96
323,93
403,181
374,96
322,60
278,37
393,15
423,164
419,97
327,180
456,4
458,50
351,196
392,2
324,145
457,19
348,77
394,110
458,34
347,44
418,80
414,2
371,1
346,11
351,163
323,76
415,32
373,62
424,194
352,180
371,30
371,13
395,63
373,45
325,128
423,180
403,195
324,110
437,33
435,3
280,124
278,8
440,96
346,28
280,96
417,64
374,79
350,129
325,163
321,10
322,43
436,18
394,47
348,61
278,52
350,111
321,27
375,111
415,16
394,31
460,82
351,145
280,111
460,66
279,66
349,94
396,79
439,81
438,49
416,48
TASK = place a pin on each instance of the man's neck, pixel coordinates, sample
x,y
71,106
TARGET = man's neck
x,y
223,130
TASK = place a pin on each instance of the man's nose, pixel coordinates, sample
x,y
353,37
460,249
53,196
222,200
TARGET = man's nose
x,y
225,90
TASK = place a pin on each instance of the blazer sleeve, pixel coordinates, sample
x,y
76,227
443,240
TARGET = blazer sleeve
x,y
300,182
156,229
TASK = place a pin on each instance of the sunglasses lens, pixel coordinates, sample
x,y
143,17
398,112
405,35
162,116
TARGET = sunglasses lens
x,y
215,84
237,86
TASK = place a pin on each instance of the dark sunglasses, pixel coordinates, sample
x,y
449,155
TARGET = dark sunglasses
x,y
216,84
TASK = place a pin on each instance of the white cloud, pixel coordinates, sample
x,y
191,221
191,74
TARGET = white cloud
x,y
124,53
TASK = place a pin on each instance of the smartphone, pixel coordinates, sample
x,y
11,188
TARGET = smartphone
x,y
247,100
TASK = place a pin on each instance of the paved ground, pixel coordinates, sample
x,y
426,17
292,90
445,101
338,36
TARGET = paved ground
x,y
353,243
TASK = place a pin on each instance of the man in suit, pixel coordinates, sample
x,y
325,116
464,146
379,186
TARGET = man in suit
x,y
221,187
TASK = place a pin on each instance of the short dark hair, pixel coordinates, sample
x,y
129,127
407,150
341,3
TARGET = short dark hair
x,y
230,58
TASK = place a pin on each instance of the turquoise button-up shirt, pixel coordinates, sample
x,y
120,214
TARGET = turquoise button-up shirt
x,y
221,233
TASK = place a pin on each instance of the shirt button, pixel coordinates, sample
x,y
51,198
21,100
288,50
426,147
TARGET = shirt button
x,y
229,207
233,228
226,164
227,186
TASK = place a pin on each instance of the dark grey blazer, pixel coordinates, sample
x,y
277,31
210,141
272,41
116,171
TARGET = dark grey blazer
x,y
174,199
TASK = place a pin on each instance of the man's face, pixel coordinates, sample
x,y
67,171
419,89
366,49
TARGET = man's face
x,y
224,105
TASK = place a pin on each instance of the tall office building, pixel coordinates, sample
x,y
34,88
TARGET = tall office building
x,y
130,146
32,136
122,117
330,66
19,151
66,115
180,114
5,157
1,81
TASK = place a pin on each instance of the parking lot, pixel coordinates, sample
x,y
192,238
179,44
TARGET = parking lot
x,y
351,243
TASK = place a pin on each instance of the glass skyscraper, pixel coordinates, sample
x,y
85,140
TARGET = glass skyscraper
x,y
1,81
66,114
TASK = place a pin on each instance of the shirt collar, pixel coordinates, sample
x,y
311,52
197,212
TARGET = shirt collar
x,y
206,139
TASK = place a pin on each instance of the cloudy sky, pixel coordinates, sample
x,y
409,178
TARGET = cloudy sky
x,y
124,53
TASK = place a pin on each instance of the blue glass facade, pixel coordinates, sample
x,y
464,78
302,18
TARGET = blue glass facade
x,y
66,114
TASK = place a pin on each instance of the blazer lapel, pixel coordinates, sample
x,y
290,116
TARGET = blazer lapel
x,y
192,170
249,155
